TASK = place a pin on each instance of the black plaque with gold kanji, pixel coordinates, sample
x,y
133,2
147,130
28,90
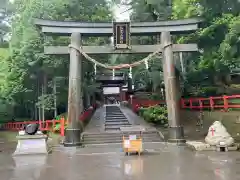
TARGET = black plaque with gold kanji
x,y
121,32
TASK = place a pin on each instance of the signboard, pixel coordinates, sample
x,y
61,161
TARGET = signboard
x,y
121,34
111,90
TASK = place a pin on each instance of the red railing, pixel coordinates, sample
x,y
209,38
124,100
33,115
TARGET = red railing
x,y
47,125
222,102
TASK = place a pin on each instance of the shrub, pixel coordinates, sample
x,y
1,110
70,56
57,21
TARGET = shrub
x,y
57,127
84,118
155,114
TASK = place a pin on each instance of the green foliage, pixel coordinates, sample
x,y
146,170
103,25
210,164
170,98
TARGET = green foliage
x,y
57,127
27,75
218,39
28,71
155,114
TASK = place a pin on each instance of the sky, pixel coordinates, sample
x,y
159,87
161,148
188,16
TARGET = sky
x,y
120,12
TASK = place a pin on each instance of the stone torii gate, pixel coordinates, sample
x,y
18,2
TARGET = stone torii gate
x,y
79,29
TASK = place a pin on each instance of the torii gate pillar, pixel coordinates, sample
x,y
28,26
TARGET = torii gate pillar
x,y
176,134
74,129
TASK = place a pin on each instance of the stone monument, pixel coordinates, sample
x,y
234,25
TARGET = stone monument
x,y
31,141
218,135
217,139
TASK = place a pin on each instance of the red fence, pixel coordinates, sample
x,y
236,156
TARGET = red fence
x,y
222,102
47,125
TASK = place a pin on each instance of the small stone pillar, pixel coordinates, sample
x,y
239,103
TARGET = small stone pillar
x,y
176,133
74,129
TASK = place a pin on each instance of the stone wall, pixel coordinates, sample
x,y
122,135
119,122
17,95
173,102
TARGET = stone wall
x,y
231,120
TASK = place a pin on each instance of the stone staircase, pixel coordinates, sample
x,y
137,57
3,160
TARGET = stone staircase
x,y
114,119
116,137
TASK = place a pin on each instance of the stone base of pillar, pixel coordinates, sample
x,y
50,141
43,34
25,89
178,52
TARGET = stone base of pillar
x,y
176,135
72,137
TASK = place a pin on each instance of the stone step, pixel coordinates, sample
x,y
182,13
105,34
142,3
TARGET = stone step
x,y
149,136
118,133
118,126
115,117
116,123
118,139
114,109
116,120
119,117
112,128
115,112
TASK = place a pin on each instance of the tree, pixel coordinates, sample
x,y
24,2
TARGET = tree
x,y
218,58
30,71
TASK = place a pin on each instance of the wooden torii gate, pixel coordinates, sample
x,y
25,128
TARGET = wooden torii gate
x,y
79,29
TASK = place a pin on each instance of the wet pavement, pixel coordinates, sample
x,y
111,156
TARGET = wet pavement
x,y
105,162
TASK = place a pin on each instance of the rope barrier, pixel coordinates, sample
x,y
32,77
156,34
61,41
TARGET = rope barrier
x,y
144,60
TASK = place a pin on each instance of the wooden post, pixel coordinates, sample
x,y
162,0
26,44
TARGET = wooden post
x,y
62,126
73,131
225,102
172,99
211,103
200,104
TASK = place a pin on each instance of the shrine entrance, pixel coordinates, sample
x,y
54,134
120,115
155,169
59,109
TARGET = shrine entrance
x,y
112,87
121,31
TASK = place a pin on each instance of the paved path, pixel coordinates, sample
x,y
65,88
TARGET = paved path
x,y
96,124
107,163
135,119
